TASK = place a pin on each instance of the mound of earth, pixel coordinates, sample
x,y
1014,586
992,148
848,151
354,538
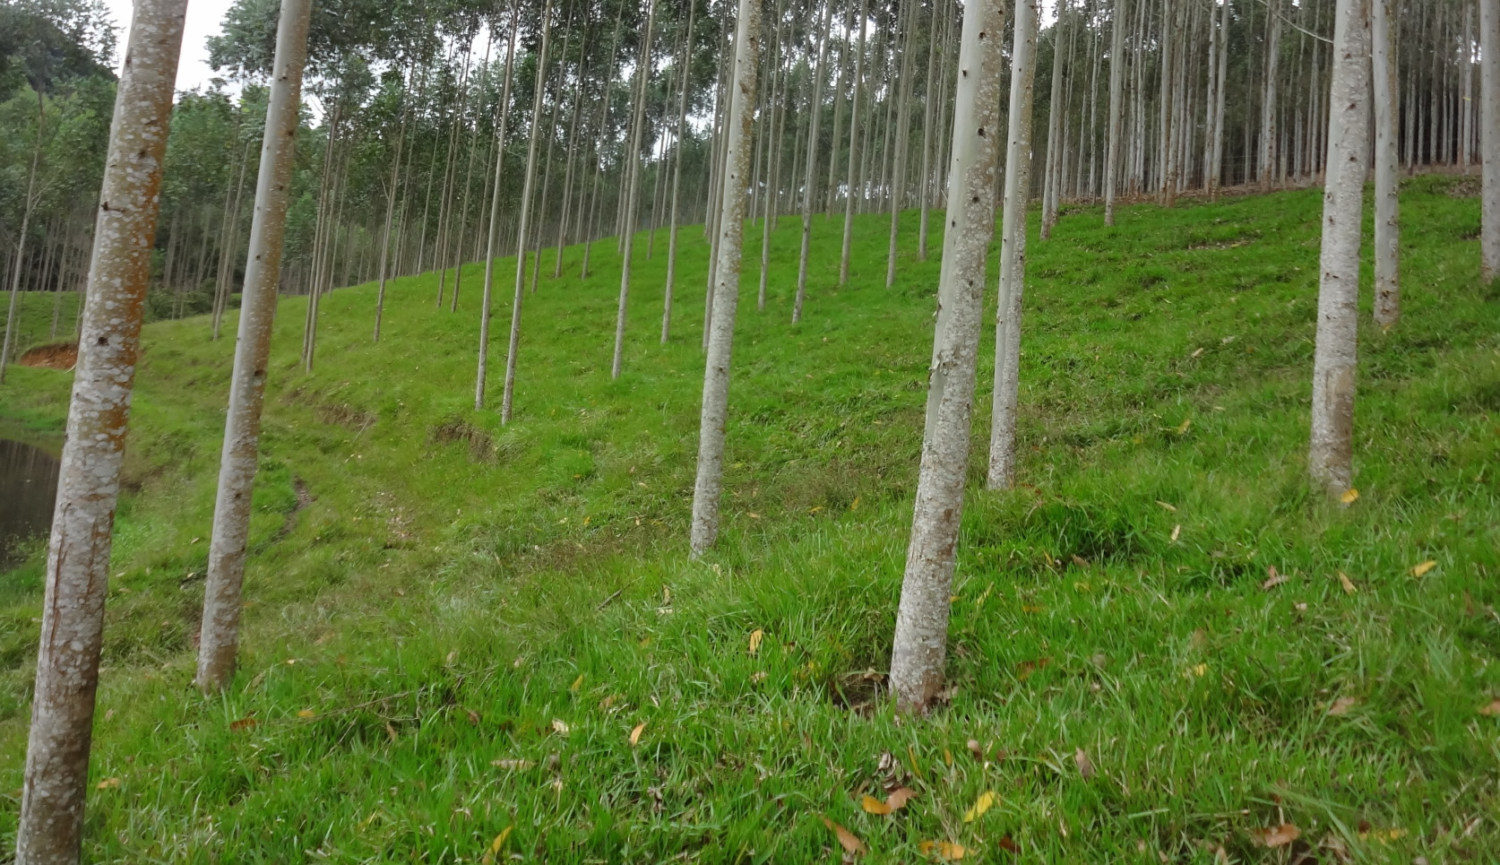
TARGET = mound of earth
x,y
58,355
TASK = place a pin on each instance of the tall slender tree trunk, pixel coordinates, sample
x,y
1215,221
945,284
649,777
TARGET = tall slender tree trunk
x,y
1387,168
1330,453
819,73
492,247
28,205
508,394
632,193
898,160
390,216
1055,112
1268,139
1002,463
1116,82
850,202
219,636
1489,118
1215,167
686,65
739,126
919,649
77,578
931,97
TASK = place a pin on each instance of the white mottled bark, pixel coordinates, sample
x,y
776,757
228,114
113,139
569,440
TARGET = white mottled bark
x,y
1489,136
812,161
508,394
849,202
382,269
219,637
1268,132
1338,286
1387,169
1002,462
740,123
686,70
1215,167
1055,111
930,100
633,190
1116,119
67,665
920,644
492,243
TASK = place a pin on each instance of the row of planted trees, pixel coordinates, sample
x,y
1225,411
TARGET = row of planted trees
x,y
614,133
412,104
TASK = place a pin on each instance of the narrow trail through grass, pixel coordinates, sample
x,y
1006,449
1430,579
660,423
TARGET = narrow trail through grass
x,y
453,627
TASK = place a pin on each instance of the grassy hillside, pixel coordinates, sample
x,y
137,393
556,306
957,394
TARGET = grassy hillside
x,y
453,628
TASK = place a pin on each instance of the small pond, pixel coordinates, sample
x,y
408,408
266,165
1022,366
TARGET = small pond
x,y
28,487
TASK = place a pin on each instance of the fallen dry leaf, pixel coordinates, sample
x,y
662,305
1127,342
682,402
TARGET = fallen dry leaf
x,y
1424,567
1493,709
848,840
985,802
1085,765
512,764
1273,578
560,726
755,637
635,733
1342,705
978,752
1276,836
243,724
107,784
1349,496
945,850
1186,422
577,683
495,845
1176,532
306,713
1347,583
1198,670
1170,507
1384,836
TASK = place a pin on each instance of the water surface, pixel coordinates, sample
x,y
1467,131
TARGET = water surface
x,y
28,487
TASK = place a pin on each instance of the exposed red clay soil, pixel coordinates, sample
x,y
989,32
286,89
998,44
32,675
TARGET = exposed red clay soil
x,y
59,355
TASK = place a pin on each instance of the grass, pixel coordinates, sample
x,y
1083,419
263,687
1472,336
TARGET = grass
x,y
453,627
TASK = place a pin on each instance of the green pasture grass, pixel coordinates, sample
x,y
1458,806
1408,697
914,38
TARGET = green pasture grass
x,y
453,626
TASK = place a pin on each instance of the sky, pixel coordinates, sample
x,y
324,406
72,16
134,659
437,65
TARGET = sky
x,y
203,17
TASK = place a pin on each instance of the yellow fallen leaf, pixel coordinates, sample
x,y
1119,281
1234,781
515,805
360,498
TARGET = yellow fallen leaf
x,y
1419,570
1347,583
755,637
1384,836
945,850
1342,705
1493,709
1183,428
1349,496
560,726
854,505
1199,669
635,733
985,802
911,755
495,845
1172,508
847,839
306,713
578,682
874,806
107,784
1176,532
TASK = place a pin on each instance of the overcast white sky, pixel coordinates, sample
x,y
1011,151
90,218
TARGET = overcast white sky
x,y
203,17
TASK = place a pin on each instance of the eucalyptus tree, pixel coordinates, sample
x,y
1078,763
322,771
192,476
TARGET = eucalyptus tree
x,y
850,191
919,647
739,126
492,246
508,394
1120,11
219,635
50,826
1489,137
632,190
1384,81
1331,450
1001,470
685,74
812,161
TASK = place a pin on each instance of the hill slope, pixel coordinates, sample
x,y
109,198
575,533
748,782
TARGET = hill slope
x,y
455,628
